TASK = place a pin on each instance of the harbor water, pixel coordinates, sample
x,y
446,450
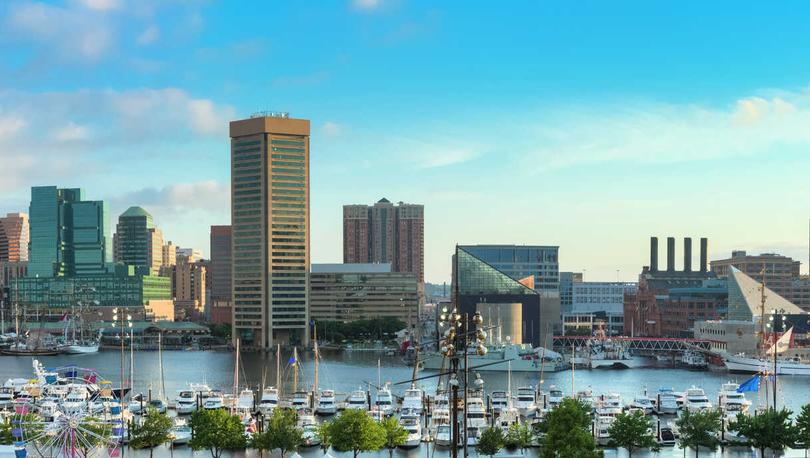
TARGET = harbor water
x,y
347,371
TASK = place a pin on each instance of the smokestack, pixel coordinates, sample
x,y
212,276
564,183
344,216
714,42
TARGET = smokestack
x,y
653,254
670,254
687,254
704,248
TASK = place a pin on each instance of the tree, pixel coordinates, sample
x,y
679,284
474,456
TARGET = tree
x,y
285,434
490,441
152,432
520,435
803,428
325,437
771,429
354,430
568,432
395,434
216,430
632,431
699,429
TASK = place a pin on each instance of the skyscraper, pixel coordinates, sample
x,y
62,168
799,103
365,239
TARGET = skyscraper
x,y
69,236
138,242
270,223
386,233
14,237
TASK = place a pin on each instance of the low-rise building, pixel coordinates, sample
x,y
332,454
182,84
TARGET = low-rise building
x,y
348,292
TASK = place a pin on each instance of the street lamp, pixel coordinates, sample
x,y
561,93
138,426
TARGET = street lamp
x,y
776,324
125,321
457,339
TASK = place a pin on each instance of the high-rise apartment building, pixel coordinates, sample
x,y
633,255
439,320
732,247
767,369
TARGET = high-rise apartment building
x,y
270,224
14,237
168,257
386,233
68,236
220,272
778,271
189,288
138,242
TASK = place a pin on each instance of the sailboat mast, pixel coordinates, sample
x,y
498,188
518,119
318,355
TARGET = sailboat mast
x,y
160,360
573,358
317,357
295,369
278,368
131,357
236,372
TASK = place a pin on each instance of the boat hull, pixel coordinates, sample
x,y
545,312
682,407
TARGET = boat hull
x,y
79,349
747,365
626,363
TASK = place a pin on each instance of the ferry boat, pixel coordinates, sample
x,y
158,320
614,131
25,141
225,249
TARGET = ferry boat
x,y
523,357
326,404
526,402
696,400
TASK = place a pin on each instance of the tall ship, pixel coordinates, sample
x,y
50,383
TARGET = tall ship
x,y
524,358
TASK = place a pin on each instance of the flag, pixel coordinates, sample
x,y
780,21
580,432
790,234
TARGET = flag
x,y
749,385
292,360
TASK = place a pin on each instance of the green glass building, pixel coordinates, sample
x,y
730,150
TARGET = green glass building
x,y
137,242
68,235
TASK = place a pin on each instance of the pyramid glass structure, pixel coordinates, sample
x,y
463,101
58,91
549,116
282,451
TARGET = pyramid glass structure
x,y
745,298
476,277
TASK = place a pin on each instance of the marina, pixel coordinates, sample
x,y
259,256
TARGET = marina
x,y
657,391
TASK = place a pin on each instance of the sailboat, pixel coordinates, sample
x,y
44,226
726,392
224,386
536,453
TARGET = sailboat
x,y
78,345
784,366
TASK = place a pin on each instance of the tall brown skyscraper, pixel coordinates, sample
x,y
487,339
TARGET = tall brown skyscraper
x,y
14,237
270,229
386,233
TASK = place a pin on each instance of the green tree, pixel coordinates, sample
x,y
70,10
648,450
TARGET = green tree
x,y
152,432
632,431
325,437
216,430
354,430
770,429
803,428
520,435
699,429
5,432
395,434
490,441
568,432
284,431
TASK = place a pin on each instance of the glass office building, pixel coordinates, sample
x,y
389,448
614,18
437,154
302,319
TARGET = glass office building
x,y
68,235
521,261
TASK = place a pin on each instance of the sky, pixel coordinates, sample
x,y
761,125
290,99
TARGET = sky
x,y
590,125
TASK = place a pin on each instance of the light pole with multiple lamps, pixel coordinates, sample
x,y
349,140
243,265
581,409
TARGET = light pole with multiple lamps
x,y
454,341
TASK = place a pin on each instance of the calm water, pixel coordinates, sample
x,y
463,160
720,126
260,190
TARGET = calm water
x,y
345,372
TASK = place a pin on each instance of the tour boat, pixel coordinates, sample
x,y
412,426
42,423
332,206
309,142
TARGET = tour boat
x,y
696,400
357,400
326,404
384,401
268,401
526,401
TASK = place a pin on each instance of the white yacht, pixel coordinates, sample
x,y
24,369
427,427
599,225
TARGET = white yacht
x,y
384,401
309,426
586,398
413,399
526,401
301,400
357,400
696,400
244,403
498,401
609,404
476,418
180,433
157,404
80,348
602,428
666,402
555,396
326,404
732,402
443,435
268,401
186,402
76,399
643,404
6,397
414,429
215,400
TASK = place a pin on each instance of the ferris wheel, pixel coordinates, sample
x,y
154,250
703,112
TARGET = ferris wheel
x,y
67,415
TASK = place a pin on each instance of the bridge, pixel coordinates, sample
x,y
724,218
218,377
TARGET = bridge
x,y
647,344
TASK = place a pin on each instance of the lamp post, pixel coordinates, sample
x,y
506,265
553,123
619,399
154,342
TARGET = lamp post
x,y
776,324
125,321
456,339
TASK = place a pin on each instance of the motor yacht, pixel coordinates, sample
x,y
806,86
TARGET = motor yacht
x,y
413,399
384,401
301,400
696,400
414,429
326,404
666,402
157,404
180,433
526,401
498,401
357,400
215,400
309,426
555,396
244,403
268,401
642,403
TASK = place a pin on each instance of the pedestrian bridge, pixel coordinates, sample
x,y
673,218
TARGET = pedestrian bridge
x,y
647,344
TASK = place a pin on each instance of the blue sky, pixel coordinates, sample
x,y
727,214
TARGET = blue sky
x,y
589,125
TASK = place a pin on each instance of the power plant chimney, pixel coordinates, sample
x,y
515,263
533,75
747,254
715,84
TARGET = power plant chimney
x,y
653,254
704,248
687,254
670,254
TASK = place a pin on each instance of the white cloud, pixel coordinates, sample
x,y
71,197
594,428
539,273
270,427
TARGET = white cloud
x,y
441,157
63,33
366,5
202,195
331,129
10,125
665,133
101,5
149,36
71,132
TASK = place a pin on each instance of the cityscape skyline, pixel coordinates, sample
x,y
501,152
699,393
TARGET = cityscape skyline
x,y
607,189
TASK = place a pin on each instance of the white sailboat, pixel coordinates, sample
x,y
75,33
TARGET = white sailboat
x,y
784,366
